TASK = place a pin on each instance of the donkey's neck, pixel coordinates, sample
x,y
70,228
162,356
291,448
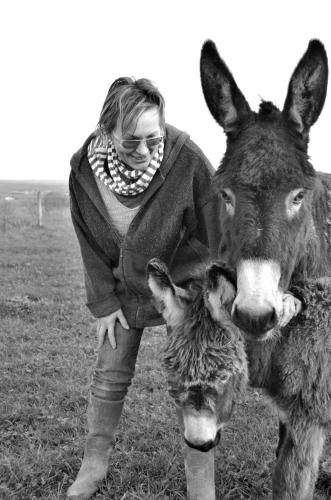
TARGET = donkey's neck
x,y
316,259
325,180
259,355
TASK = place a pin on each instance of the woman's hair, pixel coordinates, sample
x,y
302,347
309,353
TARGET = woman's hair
x,y
127,98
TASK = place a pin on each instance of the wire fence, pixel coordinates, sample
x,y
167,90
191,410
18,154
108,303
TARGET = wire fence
x,y
30,208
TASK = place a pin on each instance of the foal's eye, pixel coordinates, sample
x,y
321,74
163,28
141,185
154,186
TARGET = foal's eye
x,y
299,197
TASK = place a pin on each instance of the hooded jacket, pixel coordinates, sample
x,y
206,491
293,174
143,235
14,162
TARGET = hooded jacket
x,y
177,222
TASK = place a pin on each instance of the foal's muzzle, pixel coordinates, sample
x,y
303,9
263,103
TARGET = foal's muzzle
x,y
205,446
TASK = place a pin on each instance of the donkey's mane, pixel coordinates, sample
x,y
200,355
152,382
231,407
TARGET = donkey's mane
x,y
317,258
267,108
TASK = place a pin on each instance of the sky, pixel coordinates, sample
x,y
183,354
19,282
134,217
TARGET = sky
x,y
58,59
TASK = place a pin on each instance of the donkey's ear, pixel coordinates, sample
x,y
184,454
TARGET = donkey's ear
x,y
224,99
307,88
167,296
220,291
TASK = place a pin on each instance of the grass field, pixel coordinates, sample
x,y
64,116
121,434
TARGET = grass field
x,y
46,355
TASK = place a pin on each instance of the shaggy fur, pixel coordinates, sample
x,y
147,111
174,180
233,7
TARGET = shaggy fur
x,y
262,166
205,360
201,354
295,371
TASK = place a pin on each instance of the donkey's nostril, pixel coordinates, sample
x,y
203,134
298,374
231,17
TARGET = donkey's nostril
x,y
254,323
271,319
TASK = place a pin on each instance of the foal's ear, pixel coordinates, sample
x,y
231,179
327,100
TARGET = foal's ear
x,y
168,298
307,88
220,291
224,99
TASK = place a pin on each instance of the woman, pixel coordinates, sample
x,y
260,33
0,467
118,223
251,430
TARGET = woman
x,y
139,189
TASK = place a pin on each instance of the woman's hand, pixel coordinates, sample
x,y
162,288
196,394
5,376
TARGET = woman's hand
x,y
291,307
107,323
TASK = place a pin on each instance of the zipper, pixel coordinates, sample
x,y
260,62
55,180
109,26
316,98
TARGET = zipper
x,y
183,233
123,274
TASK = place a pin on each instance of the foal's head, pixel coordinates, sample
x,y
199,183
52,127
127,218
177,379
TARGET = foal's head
x,y
204,358
268,187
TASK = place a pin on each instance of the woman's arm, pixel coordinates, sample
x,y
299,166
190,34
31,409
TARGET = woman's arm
x,y
99,279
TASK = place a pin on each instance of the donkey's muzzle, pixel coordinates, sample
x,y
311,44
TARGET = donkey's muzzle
x,y
254,323
205,446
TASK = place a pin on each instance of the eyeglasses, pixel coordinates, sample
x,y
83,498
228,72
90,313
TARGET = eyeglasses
x,y
132,144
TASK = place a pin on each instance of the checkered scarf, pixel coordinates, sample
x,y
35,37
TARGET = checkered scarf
x,y
121,180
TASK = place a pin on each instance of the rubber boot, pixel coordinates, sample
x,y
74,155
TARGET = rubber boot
x,y
103,417
200,474
199,469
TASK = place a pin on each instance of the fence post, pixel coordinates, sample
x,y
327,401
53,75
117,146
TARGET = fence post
x,y
4,220
40,209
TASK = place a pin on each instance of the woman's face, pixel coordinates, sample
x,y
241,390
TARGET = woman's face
x,y
147,126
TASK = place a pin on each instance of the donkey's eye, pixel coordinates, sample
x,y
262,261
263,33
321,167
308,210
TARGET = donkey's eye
x,y
229,199
293,202
225,197
298,198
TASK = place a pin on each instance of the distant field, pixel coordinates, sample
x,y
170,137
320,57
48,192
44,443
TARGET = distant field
x,y
7,187
46,355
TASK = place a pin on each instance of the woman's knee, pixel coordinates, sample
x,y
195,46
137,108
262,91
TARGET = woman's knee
x,y
115,368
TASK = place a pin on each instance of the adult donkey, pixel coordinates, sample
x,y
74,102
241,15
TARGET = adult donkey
x,y
275,208
275,216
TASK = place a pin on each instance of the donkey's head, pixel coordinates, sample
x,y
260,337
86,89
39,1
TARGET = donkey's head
x,y
204,357
266,184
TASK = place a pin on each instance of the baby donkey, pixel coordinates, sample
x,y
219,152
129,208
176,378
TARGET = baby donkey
x,y
205,361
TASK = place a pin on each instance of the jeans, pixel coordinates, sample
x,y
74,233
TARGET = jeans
x,y
115,368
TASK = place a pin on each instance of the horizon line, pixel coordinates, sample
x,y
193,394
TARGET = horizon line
x,y
33,180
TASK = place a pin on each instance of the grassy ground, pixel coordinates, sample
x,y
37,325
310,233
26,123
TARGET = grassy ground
x,y
46,355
